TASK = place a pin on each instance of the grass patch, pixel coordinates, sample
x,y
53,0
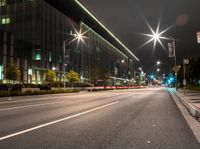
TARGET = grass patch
x,y
192,87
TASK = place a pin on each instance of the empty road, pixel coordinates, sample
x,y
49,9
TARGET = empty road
x,y
124,119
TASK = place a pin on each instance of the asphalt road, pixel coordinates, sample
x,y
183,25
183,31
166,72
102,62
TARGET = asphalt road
x,y
127,119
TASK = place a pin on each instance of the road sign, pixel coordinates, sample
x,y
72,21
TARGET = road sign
x,y
198,37
185,61
176,69
171,48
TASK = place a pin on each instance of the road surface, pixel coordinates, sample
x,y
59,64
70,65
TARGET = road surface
x,y
126,119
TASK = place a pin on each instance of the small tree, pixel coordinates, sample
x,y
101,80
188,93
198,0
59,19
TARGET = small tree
x,y
50,76
72,76
12,72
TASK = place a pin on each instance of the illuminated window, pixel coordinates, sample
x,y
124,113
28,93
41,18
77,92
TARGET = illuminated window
x,y
50,57
37,54
5,21
2,3
1,72
30,71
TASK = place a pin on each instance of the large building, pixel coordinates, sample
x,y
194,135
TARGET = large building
x,y
33,34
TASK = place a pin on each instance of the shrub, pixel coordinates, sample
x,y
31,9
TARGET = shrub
x,y
16,93
4,87
57,84
29,92
4,93
44,87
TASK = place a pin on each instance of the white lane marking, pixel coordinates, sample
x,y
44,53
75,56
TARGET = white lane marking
x,y
56,121
38,99
35,105
28,106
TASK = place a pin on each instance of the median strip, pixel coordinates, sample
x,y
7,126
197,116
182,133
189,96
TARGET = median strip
x,y
56,121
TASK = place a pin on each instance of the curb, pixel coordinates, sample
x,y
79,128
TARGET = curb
x,y
192,109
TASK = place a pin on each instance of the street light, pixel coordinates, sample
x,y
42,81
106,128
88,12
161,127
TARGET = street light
x,y
78,36
53,68
158,62
156,36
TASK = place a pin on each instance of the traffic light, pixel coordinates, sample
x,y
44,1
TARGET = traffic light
x,y
152,77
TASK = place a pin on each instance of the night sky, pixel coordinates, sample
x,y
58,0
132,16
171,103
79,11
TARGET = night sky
x,y
126,19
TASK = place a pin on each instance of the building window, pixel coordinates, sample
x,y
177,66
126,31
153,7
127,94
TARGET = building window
x,y
97,49
30,72
5,21
2,3
1,72
50,57
37,54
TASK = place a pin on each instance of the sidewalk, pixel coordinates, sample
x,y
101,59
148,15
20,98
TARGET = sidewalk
x,y
191,99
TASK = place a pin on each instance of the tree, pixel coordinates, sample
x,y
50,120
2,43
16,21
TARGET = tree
x,y
12,72
72,76
50,76
142,78
94,75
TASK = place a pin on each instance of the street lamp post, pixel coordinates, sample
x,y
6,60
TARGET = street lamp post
x,y
156,37
64,63
175,63
115,73
79,36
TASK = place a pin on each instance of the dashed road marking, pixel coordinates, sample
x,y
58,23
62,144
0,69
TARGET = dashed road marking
x,y
57,121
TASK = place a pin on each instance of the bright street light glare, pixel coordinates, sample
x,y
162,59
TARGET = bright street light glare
x,y
79,36
158,62
152,76
156,36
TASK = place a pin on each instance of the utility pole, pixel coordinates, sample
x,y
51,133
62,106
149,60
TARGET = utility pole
x,y
185,62
175,63
172,53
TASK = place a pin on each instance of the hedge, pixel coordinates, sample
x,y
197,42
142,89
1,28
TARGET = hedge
x,y
29,92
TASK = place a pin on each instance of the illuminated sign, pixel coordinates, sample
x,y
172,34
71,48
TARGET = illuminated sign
x,y
1,72
198,37
5,21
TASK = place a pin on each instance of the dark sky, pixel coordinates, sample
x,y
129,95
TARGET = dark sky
x,y
126,19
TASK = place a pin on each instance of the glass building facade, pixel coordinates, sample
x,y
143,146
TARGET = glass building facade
x,y
32,34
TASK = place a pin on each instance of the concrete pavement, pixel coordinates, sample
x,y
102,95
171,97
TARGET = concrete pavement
x,y
190,99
